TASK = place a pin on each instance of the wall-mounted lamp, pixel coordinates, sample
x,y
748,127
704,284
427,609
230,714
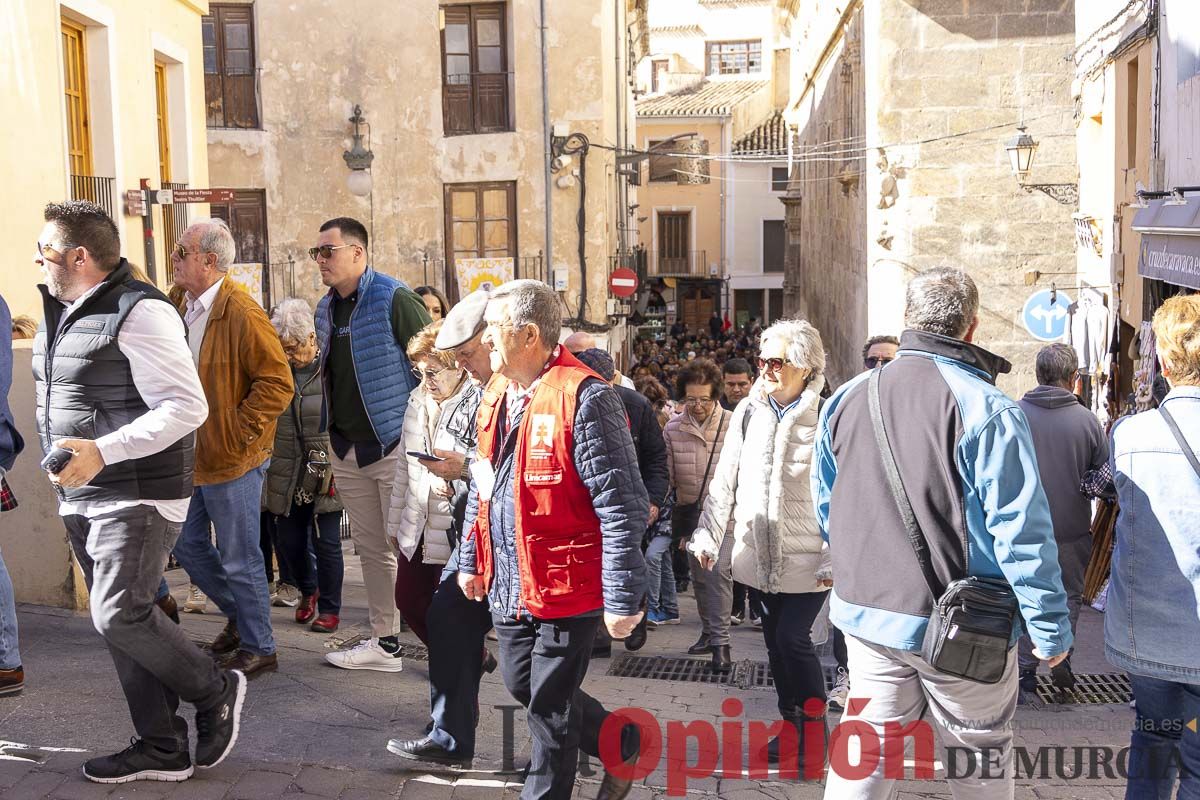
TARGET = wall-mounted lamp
x,y
358,158
1021,149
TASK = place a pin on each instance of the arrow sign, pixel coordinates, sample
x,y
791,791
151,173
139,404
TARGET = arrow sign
x,y
1046,321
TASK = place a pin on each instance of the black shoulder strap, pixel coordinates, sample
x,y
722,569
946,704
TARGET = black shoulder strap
x,y
1183,445
915,537
712,452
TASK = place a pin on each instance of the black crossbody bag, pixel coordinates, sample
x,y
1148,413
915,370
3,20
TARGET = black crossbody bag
x,y
970,630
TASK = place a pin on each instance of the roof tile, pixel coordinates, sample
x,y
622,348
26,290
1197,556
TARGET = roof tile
x,y
704,99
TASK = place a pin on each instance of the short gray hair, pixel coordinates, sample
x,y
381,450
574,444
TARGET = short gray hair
x,y
293,320
802,344
942,300
532,302
1056,364
216,238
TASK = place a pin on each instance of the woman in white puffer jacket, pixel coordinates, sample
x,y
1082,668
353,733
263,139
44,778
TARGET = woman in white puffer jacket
x,y
761,482
421,514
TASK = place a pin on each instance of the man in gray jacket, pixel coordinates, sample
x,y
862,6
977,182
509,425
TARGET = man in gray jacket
x,y
1069,441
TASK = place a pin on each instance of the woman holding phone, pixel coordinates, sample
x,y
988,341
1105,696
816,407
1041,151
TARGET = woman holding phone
x,y
421,515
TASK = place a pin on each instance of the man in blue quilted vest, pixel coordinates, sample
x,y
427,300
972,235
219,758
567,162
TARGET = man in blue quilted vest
x,y
363,327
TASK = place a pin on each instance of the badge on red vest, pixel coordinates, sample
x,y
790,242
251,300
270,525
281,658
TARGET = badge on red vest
x,y
541,465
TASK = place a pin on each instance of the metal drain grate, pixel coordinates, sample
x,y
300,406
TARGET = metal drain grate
x,y
1103,689
690,670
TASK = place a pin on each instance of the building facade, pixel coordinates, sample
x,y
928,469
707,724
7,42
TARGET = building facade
x,y
111,92
903,111
486,123
709,214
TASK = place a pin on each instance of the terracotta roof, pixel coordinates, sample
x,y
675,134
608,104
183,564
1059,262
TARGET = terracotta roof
x,y
666,30
769,138
703,99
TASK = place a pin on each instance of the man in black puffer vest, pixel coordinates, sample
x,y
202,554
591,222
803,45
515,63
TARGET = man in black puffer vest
x,y
116,386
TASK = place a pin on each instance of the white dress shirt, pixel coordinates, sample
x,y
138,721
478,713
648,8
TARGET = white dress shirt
x,y
152,339
196,317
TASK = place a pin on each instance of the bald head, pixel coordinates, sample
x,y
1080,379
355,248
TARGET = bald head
x,y
579,341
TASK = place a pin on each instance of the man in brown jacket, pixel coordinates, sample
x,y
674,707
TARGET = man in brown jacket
x,y
248,384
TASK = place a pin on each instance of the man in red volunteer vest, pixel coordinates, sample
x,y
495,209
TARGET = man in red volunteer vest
x,y
555,518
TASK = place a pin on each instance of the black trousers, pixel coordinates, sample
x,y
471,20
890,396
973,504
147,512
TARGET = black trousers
x,y
787,629
456,628
544,663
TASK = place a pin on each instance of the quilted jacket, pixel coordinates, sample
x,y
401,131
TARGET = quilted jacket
x,y
301,428
688,446
415,511
607,464
649,444
762,483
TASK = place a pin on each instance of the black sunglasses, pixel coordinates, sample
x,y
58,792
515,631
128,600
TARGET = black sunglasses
x,y
325,251
877,361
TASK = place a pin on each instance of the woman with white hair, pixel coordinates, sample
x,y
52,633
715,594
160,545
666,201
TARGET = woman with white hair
x,y
298,491
762,484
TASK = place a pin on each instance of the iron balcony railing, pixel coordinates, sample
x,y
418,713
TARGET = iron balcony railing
x,y
96,189
689,264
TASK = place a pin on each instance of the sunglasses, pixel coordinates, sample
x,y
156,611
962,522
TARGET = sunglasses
x,y
180,252
325,251
877,361
770,364
428,375
58,250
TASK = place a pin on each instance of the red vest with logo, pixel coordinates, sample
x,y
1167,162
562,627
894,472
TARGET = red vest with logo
x,y
558,542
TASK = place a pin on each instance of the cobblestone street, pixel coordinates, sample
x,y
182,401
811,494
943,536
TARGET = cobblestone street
x,y
311,730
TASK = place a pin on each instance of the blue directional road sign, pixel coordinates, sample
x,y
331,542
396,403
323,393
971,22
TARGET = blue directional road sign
x,y
1046,321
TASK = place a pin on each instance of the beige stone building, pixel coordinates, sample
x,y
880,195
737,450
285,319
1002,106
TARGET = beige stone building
x,y
102,94
466,107
903,110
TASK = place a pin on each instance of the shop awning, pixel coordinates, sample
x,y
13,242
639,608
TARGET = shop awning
x,y
1170,241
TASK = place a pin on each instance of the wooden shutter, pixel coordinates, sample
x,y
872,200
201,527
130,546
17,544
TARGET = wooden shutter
x,y
773,245
481,222
230,75
247,220
491,68
79,133
164,132
673,240
457,105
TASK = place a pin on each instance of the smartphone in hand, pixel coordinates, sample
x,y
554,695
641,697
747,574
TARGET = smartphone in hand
x,y
423,456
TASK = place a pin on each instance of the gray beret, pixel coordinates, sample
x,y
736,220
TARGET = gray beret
x,y
463,321
599,362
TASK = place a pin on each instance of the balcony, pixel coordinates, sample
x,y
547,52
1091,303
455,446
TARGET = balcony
x,y
97,190
689,264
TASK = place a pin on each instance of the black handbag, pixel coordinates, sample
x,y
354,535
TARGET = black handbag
x,y
970,630
687,515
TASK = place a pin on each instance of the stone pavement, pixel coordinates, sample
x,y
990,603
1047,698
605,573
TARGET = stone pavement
x,y
311,730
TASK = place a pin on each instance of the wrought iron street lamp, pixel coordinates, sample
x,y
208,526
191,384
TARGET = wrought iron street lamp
x,y
358,159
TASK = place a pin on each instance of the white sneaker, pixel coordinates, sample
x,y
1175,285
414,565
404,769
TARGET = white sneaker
x,y
366,655
840,691
286,596
196,603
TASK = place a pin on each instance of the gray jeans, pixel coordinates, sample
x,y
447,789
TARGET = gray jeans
x,y
714,593
973,721
122,555
1073,559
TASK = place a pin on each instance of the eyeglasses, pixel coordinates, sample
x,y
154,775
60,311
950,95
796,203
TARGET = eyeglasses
x,y
770,364
877,361
428,375
699,401
325,251
180,252
58,250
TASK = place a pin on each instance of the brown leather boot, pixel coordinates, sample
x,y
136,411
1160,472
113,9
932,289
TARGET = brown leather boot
x,y
12,681
227,640
169,607
251,665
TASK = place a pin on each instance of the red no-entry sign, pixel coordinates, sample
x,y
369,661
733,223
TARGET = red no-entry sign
x,y
623,282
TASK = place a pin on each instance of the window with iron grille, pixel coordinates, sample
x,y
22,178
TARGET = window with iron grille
x,y
474,69
662,167
734,58
230,82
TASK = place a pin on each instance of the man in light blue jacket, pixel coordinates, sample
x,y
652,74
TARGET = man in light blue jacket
x,y
967,462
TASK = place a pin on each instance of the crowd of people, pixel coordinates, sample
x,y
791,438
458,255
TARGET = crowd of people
x,y
500,477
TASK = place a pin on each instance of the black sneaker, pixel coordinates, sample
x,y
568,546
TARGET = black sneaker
x,y
217,728
139,762
428,751
1061,675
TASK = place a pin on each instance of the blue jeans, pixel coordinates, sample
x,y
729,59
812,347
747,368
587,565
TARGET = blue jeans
x,y
10,656
232,574
660,576
295,535
1160,744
